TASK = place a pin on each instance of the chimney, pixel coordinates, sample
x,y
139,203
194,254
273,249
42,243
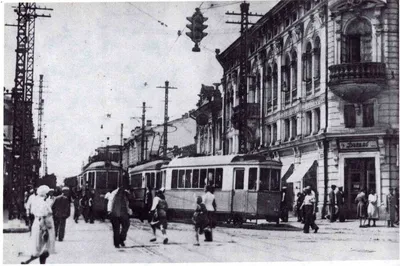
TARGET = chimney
x,y
148,123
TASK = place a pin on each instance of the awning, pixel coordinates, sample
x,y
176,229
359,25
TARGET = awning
x,y
285,168
299,171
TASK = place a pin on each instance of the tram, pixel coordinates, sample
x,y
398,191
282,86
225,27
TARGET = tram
x,y
245,186
100,177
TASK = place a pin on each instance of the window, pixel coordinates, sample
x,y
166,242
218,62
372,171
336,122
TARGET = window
x,y
91,179
274,133
287,129
101,180
239,178
268,135
174,181
317,62
150,179
368,115
294,76
158,180
286,83
203,177
253,179
275,180
264,179
349,116
181,179
356,44
136,181
112,180
195,180
307,63
210,176
188,179
308,123
294,127
218,178
317,120
275,87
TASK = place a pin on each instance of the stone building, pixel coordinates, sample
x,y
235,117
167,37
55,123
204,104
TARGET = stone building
x,y
322,94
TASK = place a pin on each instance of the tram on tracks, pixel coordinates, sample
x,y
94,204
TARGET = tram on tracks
x,y
245,186
100,177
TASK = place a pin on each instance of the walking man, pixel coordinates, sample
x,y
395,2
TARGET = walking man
x,y
332,204
61,211
118,210
309,209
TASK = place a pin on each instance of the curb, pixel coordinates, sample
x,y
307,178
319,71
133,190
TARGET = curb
x,y
15,230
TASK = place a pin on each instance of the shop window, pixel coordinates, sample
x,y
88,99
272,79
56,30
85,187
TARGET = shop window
x,y
174,179
368,115
349,116
294,127
218,178
356,42
239,179
253,179
287,129
264,179
308,123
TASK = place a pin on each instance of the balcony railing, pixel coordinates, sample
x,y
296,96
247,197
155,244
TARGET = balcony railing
x,y
351,72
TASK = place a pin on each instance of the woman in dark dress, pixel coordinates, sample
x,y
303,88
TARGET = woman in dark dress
x,y
361,201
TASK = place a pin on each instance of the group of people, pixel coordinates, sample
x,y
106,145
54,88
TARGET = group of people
x,y
368,209
47,214
83,205
336,204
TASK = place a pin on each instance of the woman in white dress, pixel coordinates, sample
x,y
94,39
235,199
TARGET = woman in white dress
x,y
373,212
42,241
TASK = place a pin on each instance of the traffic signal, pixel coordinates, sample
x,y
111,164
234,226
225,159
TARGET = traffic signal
x,y
196,28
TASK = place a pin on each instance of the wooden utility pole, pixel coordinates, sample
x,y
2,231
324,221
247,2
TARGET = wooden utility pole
x,y
166,118
142,148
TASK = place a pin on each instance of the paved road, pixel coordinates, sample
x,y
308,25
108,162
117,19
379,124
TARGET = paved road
x,y
92,243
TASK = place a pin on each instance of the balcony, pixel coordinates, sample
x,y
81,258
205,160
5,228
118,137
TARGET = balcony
x,y
357,82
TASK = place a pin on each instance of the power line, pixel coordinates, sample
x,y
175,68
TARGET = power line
x,y
144,12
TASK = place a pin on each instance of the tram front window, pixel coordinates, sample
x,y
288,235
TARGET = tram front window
x,y
101,180
264,179
253,179
275,179
136,181
112,180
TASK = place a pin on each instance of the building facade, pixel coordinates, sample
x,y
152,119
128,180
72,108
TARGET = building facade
x,y
322,94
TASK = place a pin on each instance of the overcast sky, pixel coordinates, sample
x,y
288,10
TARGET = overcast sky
x,y
97,57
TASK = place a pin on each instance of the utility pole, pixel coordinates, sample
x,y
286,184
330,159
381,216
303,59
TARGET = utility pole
x,y
166,118
23,130
242,108
142,140
40,115
45,155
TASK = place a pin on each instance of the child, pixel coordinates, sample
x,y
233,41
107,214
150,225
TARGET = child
x,y
159,214
199,219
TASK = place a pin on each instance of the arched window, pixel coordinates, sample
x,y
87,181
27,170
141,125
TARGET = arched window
x,y
269,88
356,44
307,67
317,59
275,86
286,83
294,75
258,88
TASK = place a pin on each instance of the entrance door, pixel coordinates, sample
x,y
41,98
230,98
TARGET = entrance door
x,y
239,194
359,174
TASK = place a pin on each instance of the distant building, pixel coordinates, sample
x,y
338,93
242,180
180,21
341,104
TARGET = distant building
x,y
322,93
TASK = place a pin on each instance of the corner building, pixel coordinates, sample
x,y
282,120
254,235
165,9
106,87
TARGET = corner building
x,y
322,93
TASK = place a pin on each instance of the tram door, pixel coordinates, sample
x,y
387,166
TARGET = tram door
x,y
238,192
359,173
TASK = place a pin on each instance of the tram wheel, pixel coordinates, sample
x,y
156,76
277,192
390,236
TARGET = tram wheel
x,y
237,220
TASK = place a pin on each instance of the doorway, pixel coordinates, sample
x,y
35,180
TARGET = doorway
x,y
359,173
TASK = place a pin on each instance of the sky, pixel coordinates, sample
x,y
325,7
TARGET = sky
x,y
108,58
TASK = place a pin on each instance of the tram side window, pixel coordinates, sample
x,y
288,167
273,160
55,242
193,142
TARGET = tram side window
x,y
188,179
181,177
195,179
218,177
253,179
275,179
101,180
239,179
210,177
174,181
91,179
264,179
158,180
164,175
136,181
112,182
203,177
152,180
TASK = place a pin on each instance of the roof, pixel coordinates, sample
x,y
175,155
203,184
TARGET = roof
x,y
149,166
101,165
218,160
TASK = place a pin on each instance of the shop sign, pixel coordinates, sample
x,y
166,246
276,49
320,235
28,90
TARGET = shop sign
x,y
358,145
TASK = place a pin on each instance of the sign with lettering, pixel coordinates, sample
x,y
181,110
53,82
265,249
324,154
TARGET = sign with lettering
x,y
358,145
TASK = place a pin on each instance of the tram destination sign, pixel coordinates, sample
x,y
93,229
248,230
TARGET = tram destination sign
x,y
358,145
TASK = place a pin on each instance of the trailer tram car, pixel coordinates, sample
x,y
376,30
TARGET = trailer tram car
x,y
100,177
245,186
142,177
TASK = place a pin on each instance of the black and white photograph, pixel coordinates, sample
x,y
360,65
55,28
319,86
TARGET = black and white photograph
x,y
201,132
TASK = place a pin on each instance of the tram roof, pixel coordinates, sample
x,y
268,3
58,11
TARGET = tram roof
x,y
101,165
154,165
219,160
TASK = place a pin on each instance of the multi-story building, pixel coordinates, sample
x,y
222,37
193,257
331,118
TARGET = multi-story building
x,y
322,94
181,133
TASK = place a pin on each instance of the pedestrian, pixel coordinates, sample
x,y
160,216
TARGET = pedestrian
x,y
42,241
361,201
209,200
106,199
391,208
84,205
299,202
148,203
61,211
340,204
118,210
332,204
372,210
77,198
309,209
396,196
50,197
28,208
159,213
91,207
199,219
284,205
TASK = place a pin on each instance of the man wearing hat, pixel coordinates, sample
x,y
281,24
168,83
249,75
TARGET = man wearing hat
x,y
61,211
332,204
284,205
